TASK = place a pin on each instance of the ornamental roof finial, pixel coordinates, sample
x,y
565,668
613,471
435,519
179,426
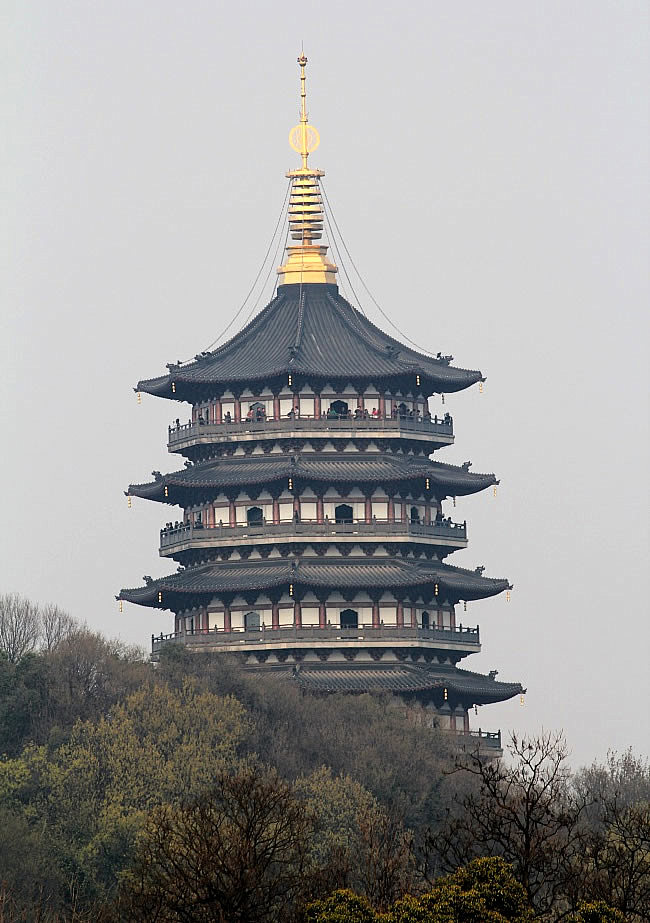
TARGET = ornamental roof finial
x,y
306,260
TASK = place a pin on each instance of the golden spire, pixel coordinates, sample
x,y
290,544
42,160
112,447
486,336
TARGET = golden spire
x,y
306,261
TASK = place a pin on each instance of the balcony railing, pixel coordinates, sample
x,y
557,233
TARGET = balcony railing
x,y
270,636
440,426
202,535
479,739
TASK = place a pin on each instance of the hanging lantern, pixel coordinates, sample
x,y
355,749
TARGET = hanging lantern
x,y
290,483
435,589
442,398
428,484
507,596
454,500
291,589
166,490
173,387
121,606
494,491
464,605
138,397
159,596
417,380
476,709
480,387
128,502
521,701
445,694
290,379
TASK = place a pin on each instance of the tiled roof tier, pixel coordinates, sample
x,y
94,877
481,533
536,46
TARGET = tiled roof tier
x,y
308,330
397,574
234,471
405,678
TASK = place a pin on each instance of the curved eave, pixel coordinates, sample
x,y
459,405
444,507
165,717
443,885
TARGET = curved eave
x,y
311,331
454,583
406,679
445,480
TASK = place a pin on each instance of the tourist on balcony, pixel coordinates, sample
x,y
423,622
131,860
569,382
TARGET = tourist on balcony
x,y
201,420
375,413
227,418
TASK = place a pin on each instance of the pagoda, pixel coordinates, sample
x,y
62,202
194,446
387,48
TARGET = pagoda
x,y
310,527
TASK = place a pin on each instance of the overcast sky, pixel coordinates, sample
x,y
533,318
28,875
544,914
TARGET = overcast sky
x,y
487,165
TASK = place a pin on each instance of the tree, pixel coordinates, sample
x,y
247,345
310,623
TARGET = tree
x,y
237,854
19,626
55,625
343,906
524,812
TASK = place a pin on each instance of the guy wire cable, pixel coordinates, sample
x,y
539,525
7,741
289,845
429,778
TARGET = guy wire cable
x,y
374,300
259,273
338,253
272,265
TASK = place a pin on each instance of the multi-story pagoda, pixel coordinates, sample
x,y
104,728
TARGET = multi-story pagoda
x,y
312,537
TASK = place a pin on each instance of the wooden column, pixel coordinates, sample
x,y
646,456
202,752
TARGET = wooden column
x,y
382,406
319,509
400,614
360,401
237,410
368,509
391,509
427,514
218,416
322,614
296,405
452,617
317,406
232,512
375,613
276,406
275,615
414,617
439,618
297,614
226,619
276,511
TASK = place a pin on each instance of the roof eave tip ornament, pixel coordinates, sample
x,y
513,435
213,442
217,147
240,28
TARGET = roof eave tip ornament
x,y
306,259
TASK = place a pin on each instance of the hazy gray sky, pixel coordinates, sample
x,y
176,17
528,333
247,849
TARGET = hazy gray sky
x,y
487,164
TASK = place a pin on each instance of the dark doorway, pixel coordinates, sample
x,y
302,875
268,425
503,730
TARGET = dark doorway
x,y
425,620
339,408
254,516
349,618
343,512
415,515
402,409
252,621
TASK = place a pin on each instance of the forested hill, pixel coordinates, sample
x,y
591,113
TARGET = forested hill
x,y
199,791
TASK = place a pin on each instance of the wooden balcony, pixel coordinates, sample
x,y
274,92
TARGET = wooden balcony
x,y
452,535
460,639
436,431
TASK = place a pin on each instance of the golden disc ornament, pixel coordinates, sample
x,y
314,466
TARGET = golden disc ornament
x,y
304,138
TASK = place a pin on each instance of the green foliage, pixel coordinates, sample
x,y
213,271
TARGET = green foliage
x,y
596,912
342,906
485,891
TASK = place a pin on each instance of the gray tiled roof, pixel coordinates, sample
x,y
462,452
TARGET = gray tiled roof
x,y
450,480
308,329
345,573
404,678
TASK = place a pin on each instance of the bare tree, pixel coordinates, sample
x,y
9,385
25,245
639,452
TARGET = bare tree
x,y
524,811
56,626
19,626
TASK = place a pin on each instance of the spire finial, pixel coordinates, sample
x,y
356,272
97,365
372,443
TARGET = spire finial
x,y
303,137
306,259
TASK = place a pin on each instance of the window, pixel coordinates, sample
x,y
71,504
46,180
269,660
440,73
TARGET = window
x,y
349,618
343,513
338,409
252,621
254,516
